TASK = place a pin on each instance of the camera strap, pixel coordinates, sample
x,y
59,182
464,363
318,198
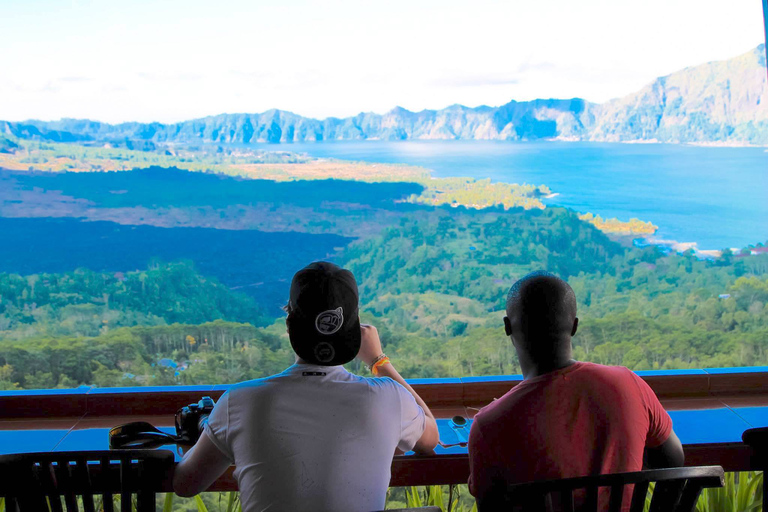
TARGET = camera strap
x,y
140,434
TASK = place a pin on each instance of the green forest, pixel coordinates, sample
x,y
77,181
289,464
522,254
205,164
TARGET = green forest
x,y
433,283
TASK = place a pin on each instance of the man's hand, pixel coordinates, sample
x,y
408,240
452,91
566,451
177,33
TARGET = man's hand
x,y
370,344
370,349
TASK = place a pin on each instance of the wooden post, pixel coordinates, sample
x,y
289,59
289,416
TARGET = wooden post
x,y
765,21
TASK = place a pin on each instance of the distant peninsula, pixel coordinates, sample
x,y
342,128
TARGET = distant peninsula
x,y
723,102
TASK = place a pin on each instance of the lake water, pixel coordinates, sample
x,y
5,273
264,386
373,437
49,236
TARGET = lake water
x,y
716,197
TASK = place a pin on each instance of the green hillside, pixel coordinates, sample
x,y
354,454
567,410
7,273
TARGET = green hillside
x,y
87,303
433,284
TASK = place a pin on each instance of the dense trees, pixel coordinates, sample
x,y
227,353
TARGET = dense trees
x,y
213,352
434,284
479,193
86,303
475,255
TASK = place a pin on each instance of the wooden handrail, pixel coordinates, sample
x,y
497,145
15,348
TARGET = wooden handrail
x,y
465,392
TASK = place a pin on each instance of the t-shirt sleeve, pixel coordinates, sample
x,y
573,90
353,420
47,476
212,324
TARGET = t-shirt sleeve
x,y
659,422
217,427
412,419
480,480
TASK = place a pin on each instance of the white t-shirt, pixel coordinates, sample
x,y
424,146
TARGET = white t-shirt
x,y
314,438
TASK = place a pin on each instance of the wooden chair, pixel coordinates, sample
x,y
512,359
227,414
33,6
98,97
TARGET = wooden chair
x,y
757,439
676,490
28,481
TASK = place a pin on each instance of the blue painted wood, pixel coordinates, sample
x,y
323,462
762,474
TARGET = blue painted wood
x,y
152,389
741,369
708,426
466,380
662,373
30,441
82,390
433,381
693,427
755,416
493,378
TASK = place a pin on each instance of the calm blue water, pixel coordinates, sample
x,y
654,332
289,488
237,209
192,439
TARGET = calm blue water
x,y
717,197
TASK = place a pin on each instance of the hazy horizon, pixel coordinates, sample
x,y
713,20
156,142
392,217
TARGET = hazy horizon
x,y
317,118
326,117
172,61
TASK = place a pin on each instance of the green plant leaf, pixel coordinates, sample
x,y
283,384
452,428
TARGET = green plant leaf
x,y
200,504
435,496
168,502
413,498
231,501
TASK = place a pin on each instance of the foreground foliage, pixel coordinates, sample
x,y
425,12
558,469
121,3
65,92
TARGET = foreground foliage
x,y
742,493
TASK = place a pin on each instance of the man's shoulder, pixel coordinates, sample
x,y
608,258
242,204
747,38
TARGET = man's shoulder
x,y
286,380
261,385
617,374
597,375
382,386
383,390
382,382
499,409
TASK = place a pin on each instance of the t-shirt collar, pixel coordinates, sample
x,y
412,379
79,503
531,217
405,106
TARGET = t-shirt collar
x,y
298,368
554,374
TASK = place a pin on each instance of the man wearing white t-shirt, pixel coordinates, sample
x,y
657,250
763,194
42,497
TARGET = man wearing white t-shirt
x,y
314,437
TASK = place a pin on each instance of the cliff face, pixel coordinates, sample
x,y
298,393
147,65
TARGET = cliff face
x,y
725,101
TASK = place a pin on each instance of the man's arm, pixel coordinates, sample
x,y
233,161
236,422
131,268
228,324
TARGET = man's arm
x,y
667,455
370,349
199,468
659,454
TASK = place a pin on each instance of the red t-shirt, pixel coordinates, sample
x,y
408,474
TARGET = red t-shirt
x,y
584,419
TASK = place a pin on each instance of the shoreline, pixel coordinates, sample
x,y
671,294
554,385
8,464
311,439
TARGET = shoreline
x,y
681,247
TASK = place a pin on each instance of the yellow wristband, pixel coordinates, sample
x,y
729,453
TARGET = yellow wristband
x,y
378,358
380,362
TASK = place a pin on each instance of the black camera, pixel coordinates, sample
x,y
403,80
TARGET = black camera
x,y
191,419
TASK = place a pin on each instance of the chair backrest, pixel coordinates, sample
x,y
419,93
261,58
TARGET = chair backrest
x,y
757,439
675,490
41,481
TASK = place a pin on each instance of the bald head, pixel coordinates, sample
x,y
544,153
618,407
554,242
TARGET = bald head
x,y
541,315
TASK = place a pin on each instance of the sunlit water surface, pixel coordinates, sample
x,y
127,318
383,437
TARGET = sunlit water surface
x,y
716,197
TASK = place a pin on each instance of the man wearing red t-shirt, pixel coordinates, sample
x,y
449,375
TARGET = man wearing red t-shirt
x,y
567,418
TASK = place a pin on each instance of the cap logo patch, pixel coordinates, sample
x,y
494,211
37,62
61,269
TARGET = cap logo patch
x,y
324,352
329,322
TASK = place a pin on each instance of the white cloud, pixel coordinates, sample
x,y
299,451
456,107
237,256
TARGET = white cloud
x,y
173,60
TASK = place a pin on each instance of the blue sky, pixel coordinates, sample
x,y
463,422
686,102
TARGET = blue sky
x,y
174,60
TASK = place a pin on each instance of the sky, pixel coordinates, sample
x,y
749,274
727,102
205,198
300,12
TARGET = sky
x,y
168,61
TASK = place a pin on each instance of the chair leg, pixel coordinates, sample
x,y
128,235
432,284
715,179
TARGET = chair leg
x,y
689,497
145,501
11,505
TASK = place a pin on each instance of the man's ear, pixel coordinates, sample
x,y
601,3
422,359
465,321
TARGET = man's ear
x,y
507,326
575,326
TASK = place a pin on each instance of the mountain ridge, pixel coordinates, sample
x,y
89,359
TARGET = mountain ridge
x,y
717,102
